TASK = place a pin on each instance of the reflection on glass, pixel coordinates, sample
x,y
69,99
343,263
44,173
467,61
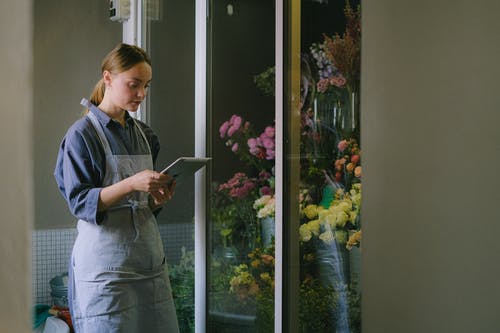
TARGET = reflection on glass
x,y
241,226
169,40
330,168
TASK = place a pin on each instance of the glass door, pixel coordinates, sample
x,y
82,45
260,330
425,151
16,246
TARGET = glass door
x,y
321,167
241,124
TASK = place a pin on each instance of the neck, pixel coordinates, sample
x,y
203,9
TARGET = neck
x,y
113,112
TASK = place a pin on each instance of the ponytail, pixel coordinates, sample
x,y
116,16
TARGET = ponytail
x,y
97,94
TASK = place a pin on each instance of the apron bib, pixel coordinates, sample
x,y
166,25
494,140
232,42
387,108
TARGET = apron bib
x,y
119,274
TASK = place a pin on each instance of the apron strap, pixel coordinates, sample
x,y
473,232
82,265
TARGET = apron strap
x,y
98,129
143,135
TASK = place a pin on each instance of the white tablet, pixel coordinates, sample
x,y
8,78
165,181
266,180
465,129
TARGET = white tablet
x,y
184,167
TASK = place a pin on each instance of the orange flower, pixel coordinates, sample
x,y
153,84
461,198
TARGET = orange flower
x,y
357,171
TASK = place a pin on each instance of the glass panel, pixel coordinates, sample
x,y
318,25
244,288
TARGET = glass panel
x,y
168,35
322,127
240,286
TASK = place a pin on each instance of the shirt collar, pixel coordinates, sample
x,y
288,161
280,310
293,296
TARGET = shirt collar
x,y
104,119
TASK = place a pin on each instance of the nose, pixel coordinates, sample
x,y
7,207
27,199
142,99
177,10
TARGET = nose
x,y
141,92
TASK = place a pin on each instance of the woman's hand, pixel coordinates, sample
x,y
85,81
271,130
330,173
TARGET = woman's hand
x,y
160,186
150,181
165,193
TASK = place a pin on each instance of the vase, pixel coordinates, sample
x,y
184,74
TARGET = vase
x,y
347,115
334,272
230,254
267,225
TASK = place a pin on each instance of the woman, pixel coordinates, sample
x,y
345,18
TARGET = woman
x,y
118,275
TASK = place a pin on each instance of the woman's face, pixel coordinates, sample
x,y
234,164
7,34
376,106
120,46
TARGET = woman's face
x,y
128,89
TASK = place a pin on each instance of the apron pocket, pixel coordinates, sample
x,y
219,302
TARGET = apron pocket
x,y
104,298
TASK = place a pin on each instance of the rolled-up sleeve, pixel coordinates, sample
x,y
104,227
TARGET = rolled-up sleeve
x,y
78,174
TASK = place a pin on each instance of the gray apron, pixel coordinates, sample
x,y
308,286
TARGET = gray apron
x,y
119,277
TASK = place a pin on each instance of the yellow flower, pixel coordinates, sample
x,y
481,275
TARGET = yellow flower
x,y
311,211
345,205
255,263
266,277
341,219
327,217
305,233
327,237
314,227
352,217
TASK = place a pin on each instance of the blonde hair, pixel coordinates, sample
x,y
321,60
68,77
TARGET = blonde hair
x,y
120,59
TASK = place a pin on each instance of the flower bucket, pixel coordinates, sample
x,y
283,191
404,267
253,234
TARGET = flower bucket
x,y
267,230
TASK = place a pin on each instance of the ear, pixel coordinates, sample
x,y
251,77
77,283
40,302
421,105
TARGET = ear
x,y
107,78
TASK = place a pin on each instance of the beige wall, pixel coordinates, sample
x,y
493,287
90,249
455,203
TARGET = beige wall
x,y
16,190
431,152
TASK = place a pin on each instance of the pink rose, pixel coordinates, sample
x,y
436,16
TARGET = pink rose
x,y
270,131
234,148
236,121
231,130
252,142
355,159
268,143
223,129
343,145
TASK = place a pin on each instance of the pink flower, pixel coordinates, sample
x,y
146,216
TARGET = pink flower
x,y
265,190
270,154
339,164
267,142
235,124
338,81
322,85
255,146
343,145
264,175
270,131
234,148
252,143
223,129
355,159
231,130
236,121
241,192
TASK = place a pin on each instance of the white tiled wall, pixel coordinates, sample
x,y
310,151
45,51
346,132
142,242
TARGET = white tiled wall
x,y
51,250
